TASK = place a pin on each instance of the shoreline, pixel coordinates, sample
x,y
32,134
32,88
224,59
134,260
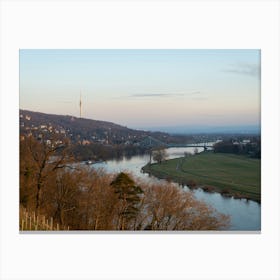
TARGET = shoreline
x,y
206,188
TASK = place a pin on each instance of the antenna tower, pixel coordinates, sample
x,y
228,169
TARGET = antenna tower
x,y
80,104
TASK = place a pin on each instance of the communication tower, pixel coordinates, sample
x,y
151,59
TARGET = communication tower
x,y
80,105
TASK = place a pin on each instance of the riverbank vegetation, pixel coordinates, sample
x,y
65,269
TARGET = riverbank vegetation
x,y
80,198
229,174
101,152
250,147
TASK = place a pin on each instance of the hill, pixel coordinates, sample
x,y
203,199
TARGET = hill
x,y
83,130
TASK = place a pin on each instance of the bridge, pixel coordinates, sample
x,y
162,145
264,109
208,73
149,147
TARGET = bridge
x,y
199,145
151,142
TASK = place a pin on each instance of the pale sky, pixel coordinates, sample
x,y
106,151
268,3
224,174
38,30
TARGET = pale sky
x,y
144,88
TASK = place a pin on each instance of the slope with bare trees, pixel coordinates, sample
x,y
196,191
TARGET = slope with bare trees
x,y
80,198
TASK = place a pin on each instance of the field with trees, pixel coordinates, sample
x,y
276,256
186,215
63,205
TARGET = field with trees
x,y
77,197
229,174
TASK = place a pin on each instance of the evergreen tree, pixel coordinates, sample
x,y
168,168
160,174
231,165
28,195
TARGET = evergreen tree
x,y
129,195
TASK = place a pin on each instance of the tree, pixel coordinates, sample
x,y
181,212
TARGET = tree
x,y
195,151
130,195
40,160
159,155
98,203
168,207
187,154
63,194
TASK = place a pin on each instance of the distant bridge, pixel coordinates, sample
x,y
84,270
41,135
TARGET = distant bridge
x,y
199,145
151,142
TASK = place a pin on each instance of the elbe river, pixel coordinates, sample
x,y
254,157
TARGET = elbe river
x,y
245,214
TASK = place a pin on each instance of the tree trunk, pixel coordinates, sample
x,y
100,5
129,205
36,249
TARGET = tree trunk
x,y
58,215
38,198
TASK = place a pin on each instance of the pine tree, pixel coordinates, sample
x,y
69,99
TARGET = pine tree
x,y
130,196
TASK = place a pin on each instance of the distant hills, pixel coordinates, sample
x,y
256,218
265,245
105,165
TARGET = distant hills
x,y
241,129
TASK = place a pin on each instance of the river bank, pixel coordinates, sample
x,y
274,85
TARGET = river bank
x,y
230,175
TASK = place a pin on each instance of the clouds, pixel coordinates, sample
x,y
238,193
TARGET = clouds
x,y
247,69
165,94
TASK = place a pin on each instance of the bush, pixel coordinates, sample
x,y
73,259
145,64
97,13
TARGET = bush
x,y
208,188
191,183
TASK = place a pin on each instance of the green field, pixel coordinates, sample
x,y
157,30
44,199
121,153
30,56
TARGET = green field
x,y
229,174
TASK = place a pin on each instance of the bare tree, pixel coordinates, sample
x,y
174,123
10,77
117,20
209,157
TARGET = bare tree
x,y
160,155
43,159
99,202
171,208
63,194
195,151
187,154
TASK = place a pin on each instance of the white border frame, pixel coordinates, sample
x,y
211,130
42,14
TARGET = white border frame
x,y
142,24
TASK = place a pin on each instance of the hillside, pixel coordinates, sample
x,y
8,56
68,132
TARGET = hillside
x,y
72,122
81,129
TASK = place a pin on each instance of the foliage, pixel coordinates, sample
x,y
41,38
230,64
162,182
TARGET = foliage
x,y
130,196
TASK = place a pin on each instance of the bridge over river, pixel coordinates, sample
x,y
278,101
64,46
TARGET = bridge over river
x,y
198,145
151,142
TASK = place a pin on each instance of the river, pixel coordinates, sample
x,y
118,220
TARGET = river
x,y
245,214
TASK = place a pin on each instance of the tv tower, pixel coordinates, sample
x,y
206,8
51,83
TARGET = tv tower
x,y
80,105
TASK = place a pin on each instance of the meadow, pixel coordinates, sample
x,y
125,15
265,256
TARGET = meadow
x,y
229,174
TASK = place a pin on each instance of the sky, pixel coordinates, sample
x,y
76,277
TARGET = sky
x,y
145,88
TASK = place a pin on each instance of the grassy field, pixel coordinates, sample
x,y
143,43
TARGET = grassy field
x,y
232,175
